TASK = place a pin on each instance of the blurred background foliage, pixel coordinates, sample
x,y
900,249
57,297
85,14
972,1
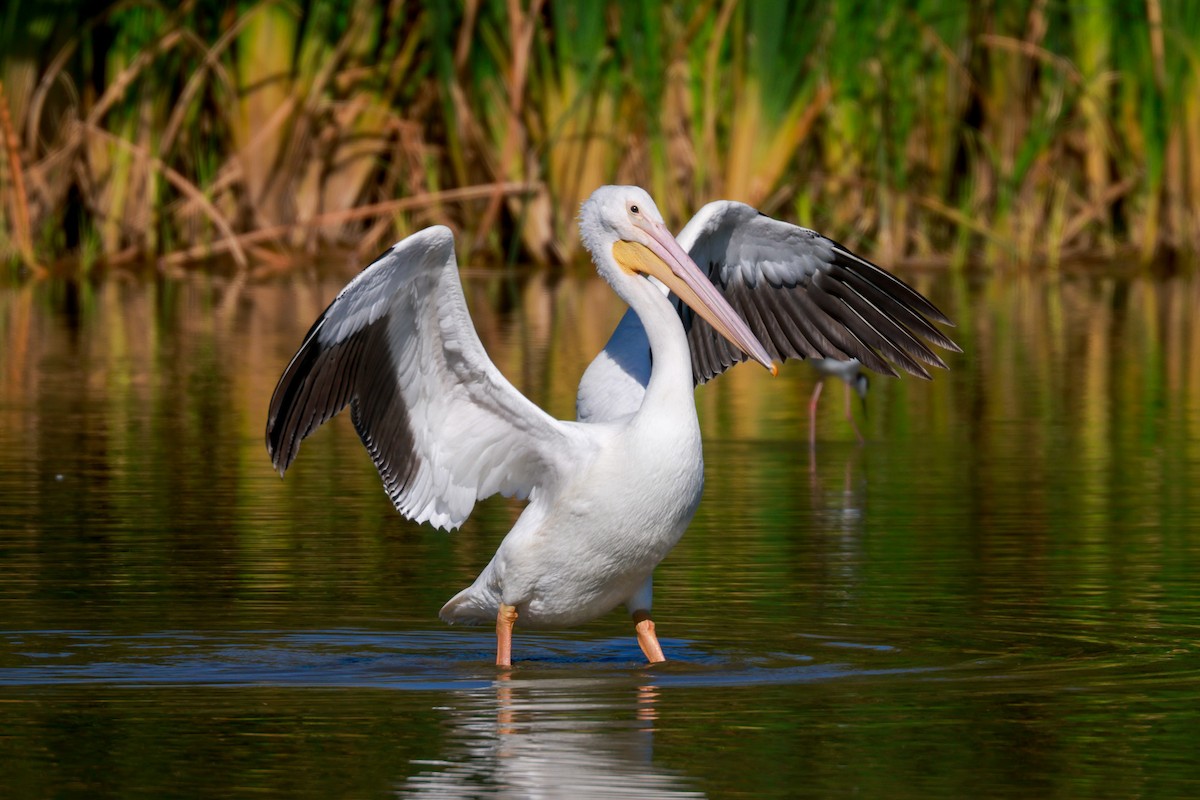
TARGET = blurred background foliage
x,y
1030,132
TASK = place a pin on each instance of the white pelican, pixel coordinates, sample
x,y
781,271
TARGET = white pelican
x,y
607,501
803,295
610,495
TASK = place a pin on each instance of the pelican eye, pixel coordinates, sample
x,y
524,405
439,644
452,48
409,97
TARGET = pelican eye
x,y
633,209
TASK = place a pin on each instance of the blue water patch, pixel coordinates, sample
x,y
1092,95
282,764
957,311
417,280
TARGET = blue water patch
x,y
413,660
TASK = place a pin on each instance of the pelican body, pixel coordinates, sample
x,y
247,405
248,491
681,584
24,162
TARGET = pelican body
x,y
607,501
609,495
596,546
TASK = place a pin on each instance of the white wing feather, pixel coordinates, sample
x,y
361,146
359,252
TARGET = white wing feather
x,y
443,426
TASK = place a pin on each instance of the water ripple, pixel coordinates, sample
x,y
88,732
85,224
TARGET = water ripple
x,y
415,660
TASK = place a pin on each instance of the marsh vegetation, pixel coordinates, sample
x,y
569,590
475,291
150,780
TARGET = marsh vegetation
x,y
1028,132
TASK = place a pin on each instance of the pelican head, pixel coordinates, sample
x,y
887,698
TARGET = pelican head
x,y
623,230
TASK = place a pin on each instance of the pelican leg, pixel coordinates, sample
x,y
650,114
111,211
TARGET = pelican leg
x,y
812,413
646,638
506,617
850,416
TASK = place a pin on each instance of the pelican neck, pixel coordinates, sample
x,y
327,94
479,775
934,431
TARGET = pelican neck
x,y
670,385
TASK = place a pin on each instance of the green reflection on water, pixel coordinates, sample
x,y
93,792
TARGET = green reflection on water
x,y
994,596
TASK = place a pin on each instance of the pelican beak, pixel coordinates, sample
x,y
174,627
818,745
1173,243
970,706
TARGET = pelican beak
x,y
665,259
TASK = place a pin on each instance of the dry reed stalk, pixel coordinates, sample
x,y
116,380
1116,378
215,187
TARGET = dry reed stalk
x,y
38,100
521,29
183,185
463,48
1158,49
21,227
1035,52
1154,208
787,140
355,134
409,149
712,56
266,108
1093,33
125,78
280,232
210,63
1191,123
963,220
1095,210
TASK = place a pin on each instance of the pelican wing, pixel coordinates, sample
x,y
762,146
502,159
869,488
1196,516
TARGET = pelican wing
x,y
443,426
804,296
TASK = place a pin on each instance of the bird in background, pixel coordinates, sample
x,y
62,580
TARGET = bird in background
x,y
610,494
849,372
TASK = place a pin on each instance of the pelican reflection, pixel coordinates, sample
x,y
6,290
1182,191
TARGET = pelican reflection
x,y
543,737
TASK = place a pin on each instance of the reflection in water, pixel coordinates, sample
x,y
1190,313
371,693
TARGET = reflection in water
x,y
546,737
839,500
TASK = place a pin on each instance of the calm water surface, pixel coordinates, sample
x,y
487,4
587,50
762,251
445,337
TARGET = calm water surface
x,y
996,596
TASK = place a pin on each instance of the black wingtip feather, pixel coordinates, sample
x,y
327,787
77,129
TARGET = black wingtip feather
x,y
893,339
284,402
804,295
908,294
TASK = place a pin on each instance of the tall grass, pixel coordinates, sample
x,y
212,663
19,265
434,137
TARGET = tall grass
x,y
1030,133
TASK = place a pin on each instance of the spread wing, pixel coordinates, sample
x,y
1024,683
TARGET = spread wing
x,y
443,426
803,295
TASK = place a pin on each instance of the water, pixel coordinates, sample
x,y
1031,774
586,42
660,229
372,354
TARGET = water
x,y
994,597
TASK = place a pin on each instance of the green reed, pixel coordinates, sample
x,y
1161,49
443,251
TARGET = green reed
x,y
1032,132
